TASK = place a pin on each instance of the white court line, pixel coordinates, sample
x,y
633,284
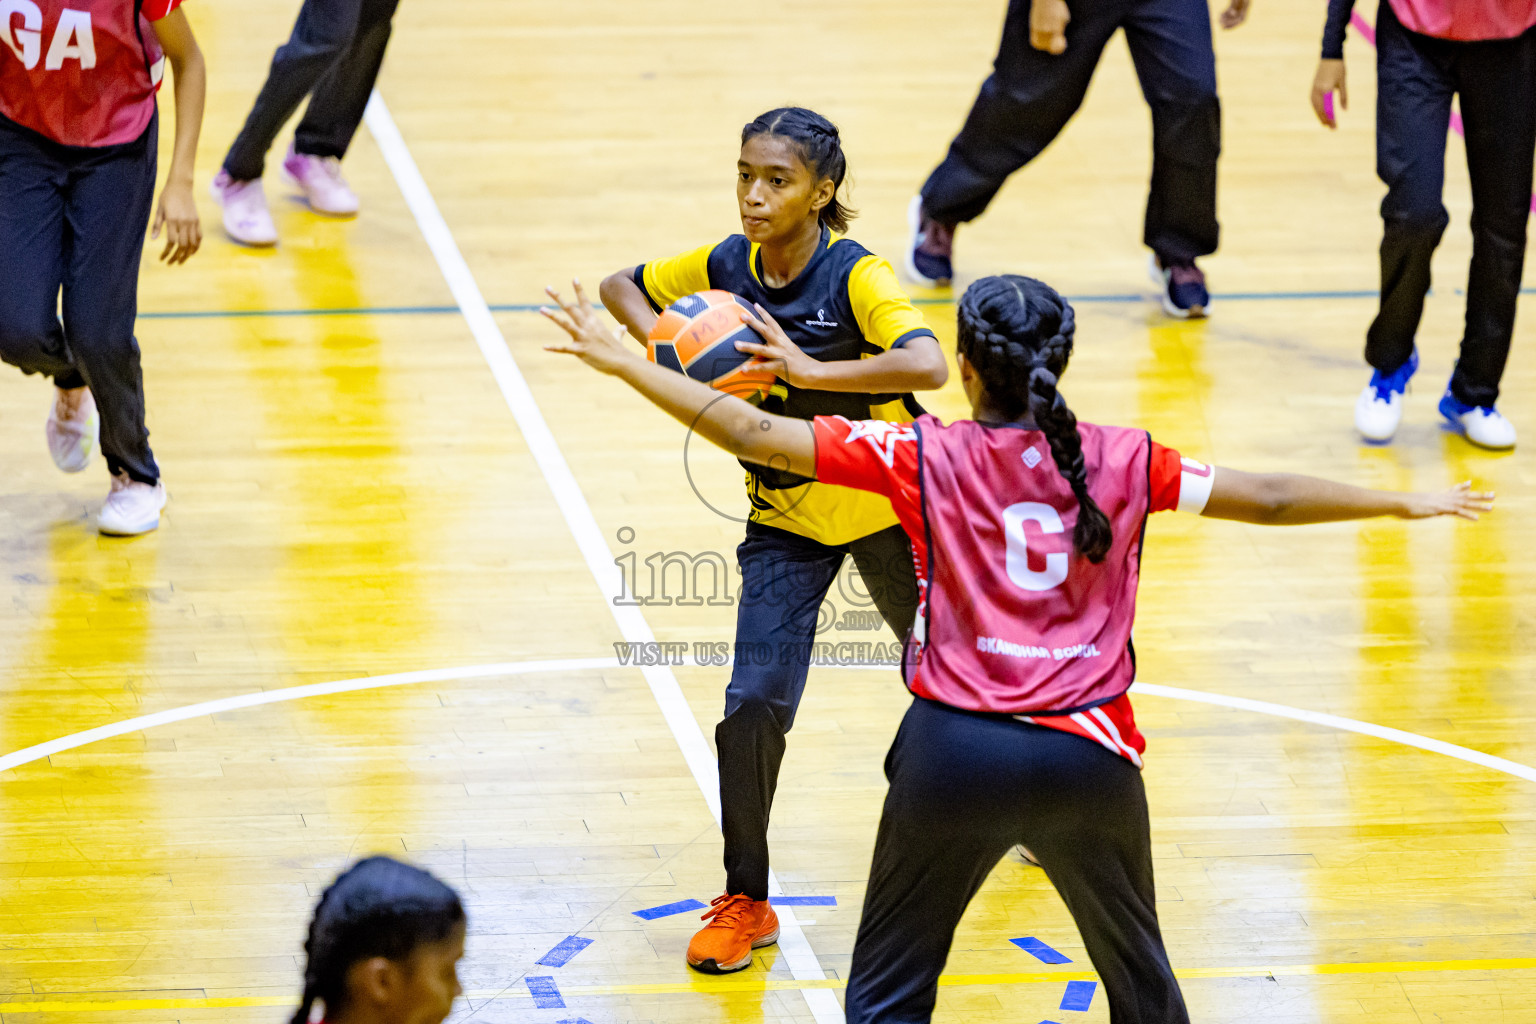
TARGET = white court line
x,y
518,668
250,700
793,946
1381,732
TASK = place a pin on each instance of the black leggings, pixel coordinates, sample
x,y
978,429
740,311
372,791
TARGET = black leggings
x,y
784,580
1031,95
1416,78
964,788
72,223
333,56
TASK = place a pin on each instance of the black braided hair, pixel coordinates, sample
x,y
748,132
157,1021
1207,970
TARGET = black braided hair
x,y
1017,333
377,907
820,148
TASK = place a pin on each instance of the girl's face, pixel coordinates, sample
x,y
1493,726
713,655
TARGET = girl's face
x,y
432,980
776,192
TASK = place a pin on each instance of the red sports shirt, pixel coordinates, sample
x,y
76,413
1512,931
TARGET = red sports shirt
x,y
1007,630
1466,20
81,72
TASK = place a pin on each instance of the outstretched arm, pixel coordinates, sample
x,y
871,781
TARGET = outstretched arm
x,y
780,442
1287,499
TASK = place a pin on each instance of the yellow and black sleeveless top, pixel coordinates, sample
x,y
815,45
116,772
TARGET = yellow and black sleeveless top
x,y
845,304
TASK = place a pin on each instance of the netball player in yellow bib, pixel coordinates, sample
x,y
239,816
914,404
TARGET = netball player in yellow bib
x,y
844,340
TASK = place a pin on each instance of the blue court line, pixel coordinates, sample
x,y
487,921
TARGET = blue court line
x,y
668,909
546,995
803,901
531,307
1079,995
1040,951
562,953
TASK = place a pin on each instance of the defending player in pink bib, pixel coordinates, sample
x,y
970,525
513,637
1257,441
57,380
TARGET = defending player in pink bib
x,y
1027,531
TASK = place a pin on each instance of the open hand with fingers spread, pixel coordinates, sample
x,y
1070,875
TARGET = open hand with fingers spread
x,y
786,359
1460,500
592,341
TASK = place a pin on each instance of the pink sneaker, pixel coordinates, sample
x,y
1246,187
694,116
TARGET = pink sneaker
x,y
73,429
319,177
246,217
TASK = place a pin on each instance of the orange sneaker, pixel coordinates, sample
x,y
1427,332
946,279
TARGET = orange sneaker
x,y
741,924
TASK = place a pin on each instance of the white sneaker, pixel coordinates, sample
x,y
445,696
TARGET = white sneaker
x,y
74,429
1379,409
930,248
1483,425
1377,413
319,178
246,217
132,508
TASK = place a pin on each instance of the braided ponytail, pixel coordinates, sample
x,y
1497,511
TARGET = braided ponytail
x,y
1017,332
306,1005
377,907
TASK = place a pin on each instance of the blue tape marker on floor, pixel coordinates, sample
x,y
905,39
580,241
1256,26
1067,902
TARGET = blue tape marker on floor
x,y
574,1020
546,996
561,954
667,910
803,901
1040,951
1079,995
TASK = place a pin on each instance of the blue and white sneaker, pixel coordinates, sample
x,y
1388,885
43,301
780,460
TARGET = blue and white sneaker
x,y
1480,424
1379,409
1184,293
930,250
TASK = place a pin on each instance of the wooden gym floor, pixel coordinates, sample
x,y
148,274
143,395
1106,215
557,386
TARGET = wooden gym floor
x,y
356,495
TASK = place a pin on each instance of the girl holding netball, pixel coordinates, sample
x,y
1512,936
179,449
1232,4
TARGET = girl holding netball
x,y
78,144
1026,527
852,345
383,947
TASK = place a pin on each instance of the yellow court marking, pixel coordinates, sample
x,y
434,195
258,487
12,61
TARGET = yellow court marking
x,y
750,986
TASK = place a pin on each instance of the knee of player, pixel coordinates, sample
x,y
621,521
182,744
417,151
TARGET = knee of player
x,y
23,332
1420,221
754,706
1504,235
1188,120
324,50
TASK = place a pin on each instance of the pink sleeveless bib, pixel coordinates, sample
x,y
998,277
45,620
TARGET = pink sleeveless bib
x,y
1013,619
80,72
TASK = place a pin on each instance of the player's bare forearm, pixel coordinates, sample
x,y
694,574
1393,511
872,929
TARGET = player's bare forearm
x,y
627,303
723,420
189,74
917,366
176,214
1288,499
